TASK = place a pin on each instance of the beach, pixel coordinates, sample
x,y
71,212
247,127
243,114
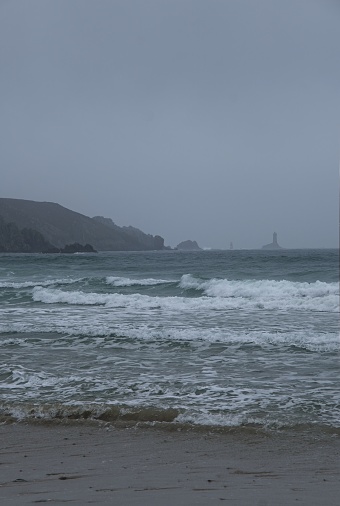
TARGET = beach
x,y
170,378
86,464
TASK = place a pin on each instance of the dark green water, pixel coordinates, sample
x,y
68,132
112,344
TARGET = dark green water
x,y
222,338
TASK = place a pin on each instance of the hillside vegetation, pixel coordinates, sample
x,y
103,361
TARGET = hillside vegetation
x,y
59,226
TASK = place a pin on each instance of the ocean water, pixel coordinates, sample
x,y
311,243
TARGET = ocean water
x,y
210,339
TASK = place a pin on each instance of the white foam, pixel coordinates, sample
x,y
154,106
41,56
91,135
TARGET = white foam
x,y
268,294
23,378
152,327
121,281
32,284
218,294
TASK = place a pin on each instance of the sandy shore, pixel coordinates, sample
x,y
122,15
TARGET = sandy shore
x,y
89,465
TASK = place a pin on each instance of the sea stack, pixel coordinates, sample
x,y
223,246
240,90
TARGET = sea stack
x,y
274,244
188,246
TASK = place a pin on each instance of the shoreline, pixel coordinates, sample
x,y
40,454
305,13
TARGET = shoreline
x,y
87,464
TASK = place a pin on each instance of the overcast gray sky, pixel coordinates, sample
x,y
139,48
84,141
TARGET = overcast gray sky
x,y
212,120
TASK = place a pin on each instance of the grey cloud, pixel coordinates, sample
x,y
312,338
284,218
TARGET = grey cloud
x,y
208,120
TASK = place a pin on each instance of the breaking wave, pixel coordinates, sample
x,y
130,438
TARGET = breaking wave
x,y
213,294
269,294
120,281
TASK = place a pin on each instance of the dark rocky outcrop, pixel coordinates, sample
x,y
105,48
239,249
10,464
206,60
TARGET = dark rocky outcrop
x,y
188,246
78,248
61,226
27,240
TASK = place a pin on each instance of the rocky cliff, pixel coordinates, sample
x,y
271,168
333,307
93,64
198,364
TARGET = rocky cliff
x,y
27,240
148,241
61,226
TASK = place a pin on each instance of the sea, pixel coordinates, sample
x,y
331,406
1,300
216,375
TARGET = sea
x,y
208,339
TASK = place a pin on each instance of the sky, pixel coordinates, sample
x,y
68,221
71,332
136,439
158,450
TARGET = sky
x,y
209,120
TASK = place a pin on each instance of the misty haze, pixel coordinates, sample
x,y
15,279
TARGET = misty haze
x,y
210,121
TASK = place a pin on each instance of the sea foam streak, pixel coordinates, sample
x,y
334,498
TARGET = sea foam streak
x,y
32,284
101,330
120,281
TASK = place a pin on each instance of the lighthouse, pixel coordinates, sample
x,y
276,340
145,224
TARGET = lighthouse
x,y
274,244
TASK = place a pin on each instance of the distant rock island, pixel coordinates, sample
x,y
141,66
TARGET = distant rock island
x,y
29,226
188,246
274,244
78,248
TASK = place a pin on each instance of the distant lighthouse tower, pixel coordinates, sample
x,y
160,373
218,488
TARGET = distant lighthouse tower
x,y
231,246
274,244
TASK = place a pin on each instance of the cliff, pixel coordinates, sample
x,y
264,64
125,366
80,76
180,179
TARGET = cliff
x,y
148,241
61,226
27,240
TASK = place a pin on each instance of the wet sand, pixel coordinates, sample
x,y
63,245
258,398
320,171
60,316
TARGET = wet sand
x,y
83,464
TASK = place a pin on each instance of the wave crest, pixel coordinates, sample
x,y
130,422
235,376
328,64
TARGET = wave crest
x,y
32,284
121,281
268,294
